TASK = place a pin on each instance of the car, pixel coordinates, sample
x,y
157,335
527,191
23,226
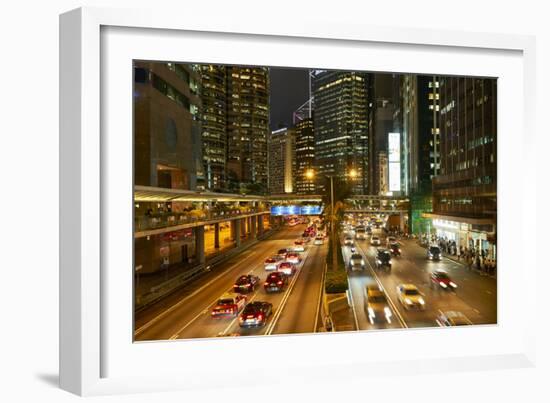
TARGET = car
x,y
440,279
255,314
375,240
434,252
246,283
298,246
410,297
275,282
395,249
356,262
272,262
452,318
383,259
348,241
318,241
293,257
229,304
282,253
360,232
286,268
376,304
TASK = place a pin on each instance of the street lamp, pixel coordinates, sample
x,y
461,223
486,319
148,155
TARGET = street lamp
x,y
310,174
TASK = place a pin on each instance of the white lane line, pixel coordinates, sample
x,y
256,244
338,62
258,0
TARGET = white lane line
x,y
236,317
353,306
176,335
176,305
375,276
320,297
281,306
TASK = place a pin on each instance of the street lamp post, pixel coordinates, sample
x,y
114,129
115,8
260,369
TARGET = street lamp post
x,y
353,174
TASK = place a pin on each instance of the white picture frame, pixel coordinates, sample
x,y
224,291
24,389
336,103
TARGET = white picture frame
x,y
96,357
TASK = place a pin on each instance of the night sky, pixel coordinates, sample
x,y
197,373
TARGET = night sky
x,y
289,90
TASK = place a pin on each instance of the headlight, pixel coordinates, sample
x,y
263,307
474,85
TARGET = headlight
x,y
387,311
442,284
362,261
371,311
408,301
452,284
429,254
421,300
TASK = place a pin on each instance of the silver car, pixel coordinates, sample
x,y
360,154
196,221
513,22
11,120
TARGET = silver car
x,y
356,262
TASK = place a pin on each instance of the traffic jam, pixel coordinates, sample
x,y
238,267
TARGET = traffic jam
x,y
247,302
396,282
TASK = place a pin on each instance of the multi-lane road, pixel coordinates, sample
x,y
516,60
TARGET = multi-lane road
x,y
476,296
186,313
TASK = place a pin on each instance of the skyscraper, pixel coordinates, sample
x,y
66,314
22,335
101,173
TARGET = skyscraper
x,y
214,127
381,124
341,127
167,125
247,127
464,205
282,161
420,100
305,156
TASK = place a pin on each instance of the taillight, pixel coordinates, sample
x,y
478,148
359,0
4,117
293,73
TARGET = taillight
x,y
260,317
279,282
235,285
266,283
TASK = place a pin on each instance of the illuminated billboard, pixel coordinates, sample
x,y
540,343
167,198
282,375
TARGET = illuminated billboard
x,y
296,210
394,147
394,161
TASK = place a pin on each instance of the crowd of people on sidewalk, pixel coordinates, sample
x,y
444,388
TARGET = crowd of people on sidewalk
x,y
474,257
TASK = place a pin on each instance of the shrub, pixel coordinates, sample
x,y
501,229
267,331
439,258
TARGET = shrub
x,y
336,282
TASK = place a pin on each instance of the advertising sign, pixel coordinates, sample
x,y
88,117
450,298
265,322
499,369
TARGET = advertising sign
x,y
394,147
296,210
394,159
395,176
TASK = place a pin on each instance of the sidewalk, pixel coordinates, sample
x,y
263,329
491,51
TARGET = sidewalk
x,y
455,259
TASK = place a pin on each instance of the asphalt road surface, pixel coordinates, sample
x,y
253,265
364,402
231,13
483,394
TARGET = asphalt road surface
x,y
475,296
186,313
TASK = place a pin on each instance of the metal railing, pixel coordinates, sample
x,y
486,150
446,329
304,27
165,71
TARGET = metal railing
x,y
172,219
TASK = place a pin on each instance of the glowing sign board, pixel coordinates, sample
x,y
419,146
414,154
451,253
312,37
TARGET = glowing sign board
x,y
296,210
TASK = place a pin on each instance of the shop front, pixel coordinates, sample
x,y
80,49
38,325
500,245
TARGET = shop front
x,y
469,233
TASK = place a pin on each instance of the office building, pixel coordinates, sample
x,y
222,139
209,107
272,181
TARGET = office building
x,y
341,127
282,161
167,126
214,124
305,156
464,191
247,128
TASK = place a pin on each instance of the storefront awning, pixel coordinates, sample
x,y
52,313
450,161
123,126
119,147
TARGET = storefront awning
x,y
460,219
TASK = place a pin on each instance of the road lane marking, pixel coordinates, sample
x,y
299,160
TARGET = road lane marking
x,y
394,307
257,267
176,305
320,297
236,317
353,306
282,304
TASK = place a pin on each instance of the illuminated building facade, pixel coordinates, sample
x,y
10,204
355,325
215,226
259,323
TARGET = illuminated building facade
x,y
214,124
167,127
305,156
247,128
464,191
282,161
341,127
